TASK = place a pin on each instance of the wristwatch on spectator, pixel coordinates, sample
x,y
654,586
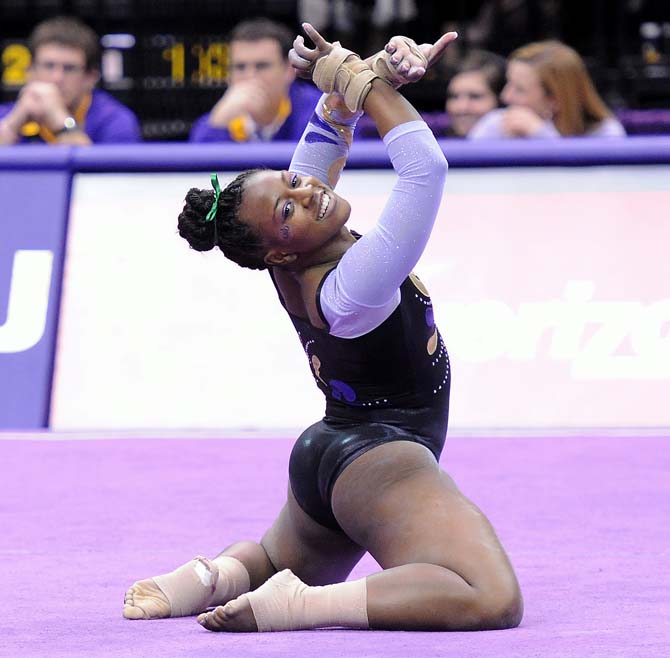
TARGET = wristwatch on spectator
x,y
69,125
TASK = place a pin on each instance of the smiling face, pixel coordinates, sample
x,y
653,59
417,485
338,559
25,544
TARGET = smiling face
x,y
293,214
469,98
524,88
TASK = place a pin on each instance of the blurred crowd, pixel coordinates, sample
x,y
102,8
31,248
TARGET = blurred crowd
x,y
511,76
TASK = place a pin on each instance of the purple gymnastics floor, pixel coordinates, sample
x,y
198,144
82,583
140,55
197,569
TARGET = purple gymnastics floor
x,y
586,521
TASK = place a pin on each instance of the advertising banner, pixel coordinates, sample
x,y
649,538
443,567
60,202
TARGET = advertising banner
x,y
32,223
551,287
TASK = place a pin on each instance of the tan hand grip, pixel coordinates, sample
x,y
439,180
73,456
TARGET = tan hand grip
x,y
344,72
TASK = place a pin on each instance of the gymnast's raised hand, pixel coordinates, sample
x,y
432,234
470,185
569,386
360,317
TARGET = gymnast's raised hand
x,y
401,61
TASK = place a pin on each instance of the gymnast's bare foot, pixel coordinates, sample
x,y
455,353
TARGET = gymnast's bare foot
x,y
145,600
234,617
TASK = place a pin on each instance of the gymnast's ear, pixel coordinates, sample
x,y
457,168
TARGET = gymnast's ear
x,y
278,258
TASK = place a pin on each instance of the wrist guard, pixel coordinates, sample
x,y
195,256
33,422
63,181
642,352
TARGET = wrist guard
x,y
347,74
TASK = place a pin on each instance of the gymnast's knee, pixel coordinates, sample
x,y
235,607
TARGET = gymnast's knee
x,y
493,608
496,607
501,608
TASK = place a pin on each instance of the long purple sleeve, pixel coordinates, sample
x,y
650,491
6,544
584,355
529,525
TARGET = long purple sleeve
x,y
324,146
363,290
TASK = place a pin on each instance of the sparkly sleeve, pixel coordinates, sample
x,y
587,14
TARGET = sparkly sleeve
x,y
324,146
363,290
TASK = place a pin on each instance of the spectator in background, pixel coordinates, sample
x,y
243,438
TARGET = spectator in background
x,y
474,90
263,101
549,93
59,103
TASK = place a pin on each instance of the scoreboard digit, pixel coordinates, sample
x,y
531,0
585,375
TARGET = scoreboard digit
x,y
175,55
15,59
212,69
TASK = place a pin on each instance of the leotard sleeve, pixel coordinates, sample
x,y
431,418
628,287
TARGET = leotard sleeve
x,y
363,290
324,146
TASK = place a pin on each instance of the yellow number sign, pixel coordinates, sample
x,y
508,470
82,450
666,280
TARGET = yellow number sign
x,y
15,63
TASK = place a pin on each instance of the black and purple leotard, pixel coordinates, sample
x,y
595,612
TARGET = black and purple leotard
x,y
381,362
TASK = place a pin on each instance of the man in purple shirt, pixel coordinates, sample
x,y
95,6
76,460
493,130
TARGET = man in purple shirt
x,y
58,104
263,101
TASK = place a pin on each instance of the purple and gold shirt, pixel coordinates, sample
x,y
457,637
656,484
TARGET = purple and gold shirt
x,y
104,119
294,113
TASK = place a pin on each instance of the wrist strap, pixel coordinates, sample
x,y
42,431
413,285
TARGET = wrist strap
x,y
344,72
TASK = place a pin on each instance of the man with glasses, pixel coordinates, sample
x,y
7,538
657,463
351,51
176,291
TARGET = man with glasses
x,y
59,104
263,102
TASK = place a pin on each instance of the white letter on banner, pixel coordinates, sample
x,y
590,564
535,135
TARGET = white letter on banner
x,y
651,336
28,301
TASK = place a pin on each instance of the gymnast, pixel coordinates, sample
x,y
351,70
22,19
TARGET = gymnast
x,y
366,477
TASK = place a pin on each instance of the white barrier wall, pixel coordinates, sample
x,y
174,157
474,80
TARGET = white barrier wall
x,y
551,287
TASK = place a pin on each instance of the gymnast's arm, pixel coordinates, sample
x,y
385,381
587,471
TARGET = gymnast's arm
x,y
363,290
324,146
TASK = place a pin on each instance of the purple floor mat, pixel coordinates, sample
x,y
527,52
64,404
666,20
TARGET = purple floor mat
x,y
586,522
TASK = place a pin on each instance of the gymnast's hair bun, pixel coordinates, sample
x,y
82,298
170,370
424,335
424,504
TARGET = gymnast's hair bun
x,y
191,221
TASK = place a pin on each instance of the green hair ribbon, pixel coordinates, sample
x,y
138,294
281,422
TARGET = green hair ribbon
x,y
211,215
217,192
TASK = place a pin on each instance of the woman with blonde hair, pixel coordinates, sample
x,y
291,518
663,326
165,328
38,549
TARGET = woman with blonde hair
x,y
548,93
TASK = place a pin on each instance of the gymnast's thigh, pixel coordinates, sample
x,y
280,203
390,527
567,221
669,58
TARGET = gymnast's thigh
x,y
397,503
316,554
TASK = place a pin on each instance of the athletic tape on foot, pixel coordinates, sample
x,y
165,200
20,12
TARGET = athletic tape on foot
x,y
201,583
233,580
285,603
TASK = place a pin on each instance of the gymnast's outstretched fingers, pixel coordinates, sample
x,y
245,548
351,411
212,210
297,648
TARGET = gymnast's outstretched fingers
x,y
303,58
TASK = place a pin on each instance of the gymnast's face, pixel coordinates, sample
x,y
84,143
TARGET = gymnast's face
x,y
524,88
293,214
